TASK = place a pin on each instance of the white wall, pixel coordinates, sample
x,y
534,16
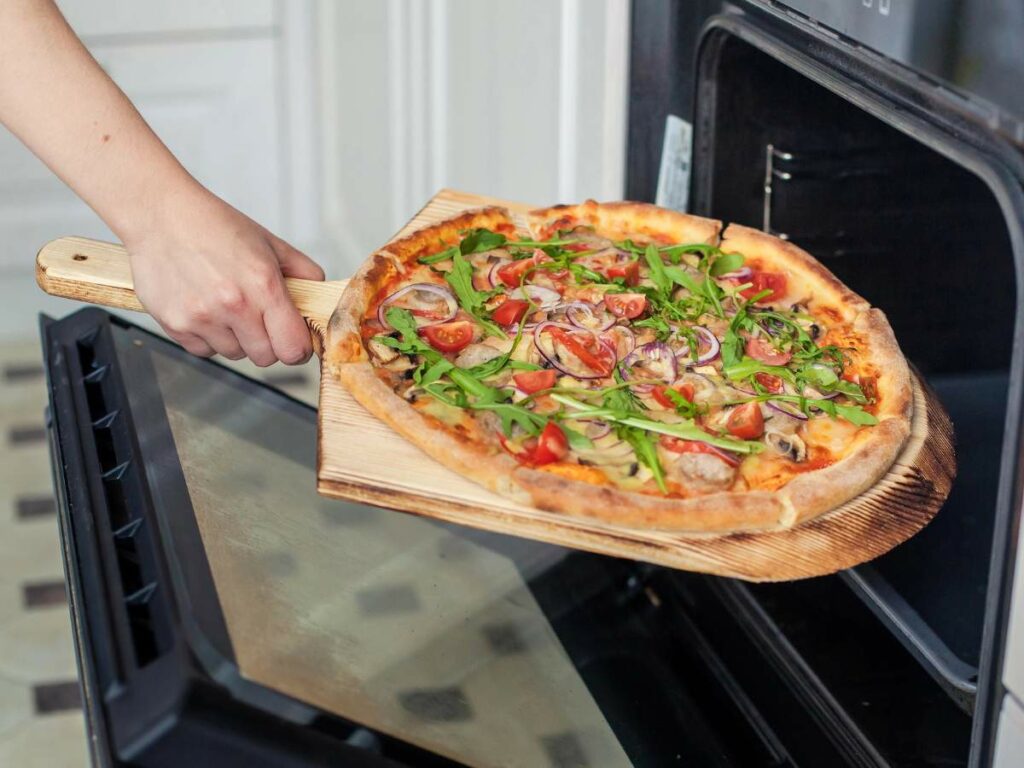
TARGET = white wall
x,y
521,100
229,85
333,121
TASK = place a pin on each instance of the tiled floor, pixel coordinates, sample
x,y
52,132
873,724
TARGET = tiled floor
x,y
40,720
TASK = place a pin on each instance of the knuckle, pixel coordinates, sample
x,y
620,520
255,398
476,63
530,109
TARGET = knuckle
x,y
231,298
196,313
266,279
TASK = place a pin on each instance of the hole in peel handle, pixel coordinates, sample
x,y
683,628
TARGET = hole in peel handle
x,y
99,273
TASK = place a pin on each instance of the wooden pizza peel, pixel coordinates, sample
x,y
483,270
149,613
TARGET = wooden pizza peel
x,y
361,459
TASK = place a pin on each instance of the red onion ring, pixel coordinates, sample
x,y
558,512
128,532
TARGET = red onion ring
x,y
553,359
712,342
438,290
740,274
492,273
787,409
728,457
545,298
578,312
658,355
595,429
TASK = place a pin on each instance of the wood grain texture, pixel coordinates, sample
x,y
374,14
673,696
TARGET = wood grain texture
x,y
99,273
363,460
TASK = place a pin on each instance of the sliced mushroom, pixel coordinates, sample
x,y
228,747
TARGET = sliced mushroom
x,y
790,446
382,353
476,354
704,472
401,364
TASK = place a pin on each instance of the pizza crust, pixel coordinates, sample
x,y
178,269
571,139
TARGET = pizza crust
x,y
804,497
625,220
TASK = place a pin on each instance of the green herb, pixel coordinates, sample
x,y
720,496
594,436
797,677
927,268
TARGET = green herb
x,y
645,447
444,255
479,240
658,275
684,430
577,440
514,415
460,278
411,344
727,262
683,406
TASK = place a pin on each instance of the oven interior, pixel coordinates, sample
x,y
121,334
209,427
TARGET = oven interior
x,y
911,224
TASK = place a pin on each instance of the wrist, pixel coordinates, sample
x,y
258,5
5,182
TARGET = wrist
x,y
159,207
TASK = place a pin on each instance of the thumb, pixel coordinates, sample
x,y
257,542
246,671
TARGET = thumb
x,y
294,263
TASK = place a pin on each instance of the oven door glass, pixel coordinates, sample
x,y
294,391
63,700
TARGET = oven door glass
x,y
483,648
419,641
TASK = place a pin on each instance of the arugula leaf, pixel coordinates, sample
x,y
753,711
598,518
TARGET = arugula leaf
x,y
541,243
661,328
684,430
683,406
748,366
851,390
460,278
657,267
645,448
444,255
411,344
820,377
434,372
727,262
855,415
512,414
679,276
577,440
712,291
479,240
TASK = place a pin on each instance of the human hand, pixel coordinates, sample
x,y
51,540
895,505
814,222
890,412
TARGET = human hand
x,y
214,280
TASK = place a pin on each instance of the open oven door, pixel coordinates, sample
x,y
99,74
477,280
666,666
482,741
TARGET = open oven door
x,y
224,614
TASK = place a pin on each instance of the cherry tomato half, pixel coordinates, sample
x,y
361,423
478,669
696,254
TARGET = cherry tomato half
x,y
552,445
535,381
628,305
771,383
685,390
512,273
746,421
763,351
678,445
766,281
598,357
448,337
629,270
510,312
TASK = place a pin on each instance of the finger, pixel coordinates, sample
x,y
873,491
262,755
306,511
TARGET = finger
x,y
192,344
223,341
294,263
252,335
288,332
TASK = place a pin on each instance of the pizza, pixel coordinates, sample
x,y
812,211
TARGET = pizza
x,y
625,362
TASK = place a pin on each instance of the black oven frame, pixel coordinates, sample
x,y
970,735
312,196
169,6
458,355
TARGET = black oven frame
x,y
687,40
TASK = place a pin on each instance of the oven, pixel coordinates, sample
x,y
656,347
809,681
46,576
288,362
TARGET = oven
x,y
224,614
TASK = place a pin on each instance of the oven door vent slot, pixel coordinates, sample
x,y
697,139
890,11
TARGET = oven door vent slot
x,y
144,610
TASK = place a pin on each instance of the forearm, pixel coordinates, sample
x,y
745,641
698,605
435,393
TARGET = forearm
x,y
63,106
